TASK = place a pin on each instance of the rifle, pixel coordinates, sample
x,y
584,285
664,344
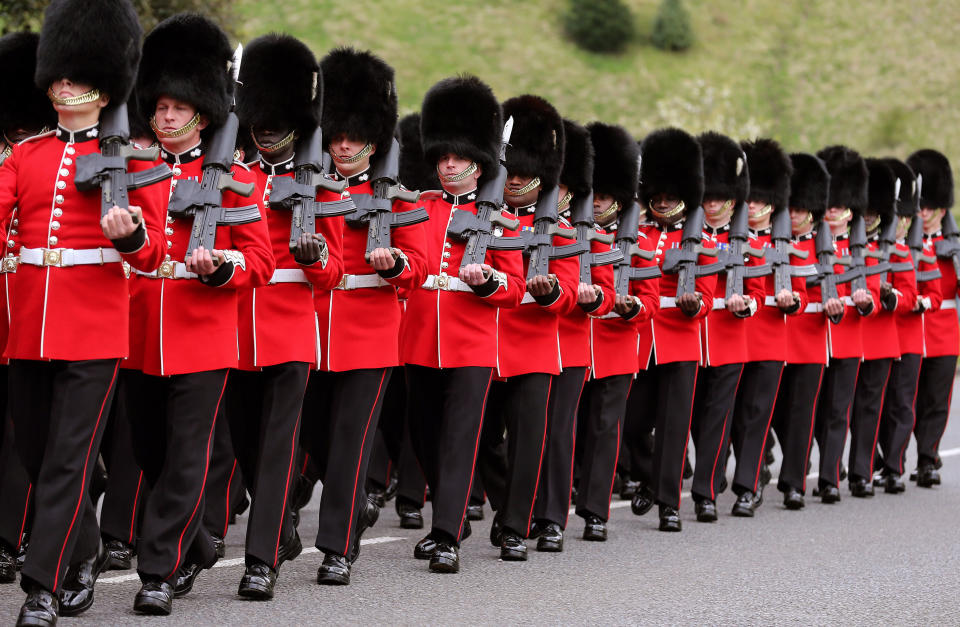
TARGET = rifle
x,y
108,168
915,244
732,257
949,246
581,215
538,244
299,194
826,260
204,200
480,230
781,232
375,211
858,255
683,261
624,272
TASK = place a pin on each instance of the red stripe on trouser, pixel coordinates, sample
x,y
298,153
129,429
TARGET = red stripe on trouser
x,y
876,434
543,446
763,447
203,484
286,486
573,448
476,448
83,480
723,438
23,521
686,441
306,460
133,512
813,419
849,407
226,519
356,476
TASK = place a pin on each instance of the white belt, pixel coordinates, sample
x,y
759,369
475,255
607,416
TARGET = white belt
x,y
288,275
813,308
169,270
719,303
66,257
770,301
848,301
445,283
609,316
527,299
360,281
948,304
666,302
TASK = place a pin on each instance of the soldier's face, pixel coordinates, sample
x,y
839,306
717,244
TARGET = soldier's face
x,y
838,218
343,147
932,219
663,206
758,214
903,225
601,203
801,221
171,115
515,183
450,165
717,212
66,88
267,137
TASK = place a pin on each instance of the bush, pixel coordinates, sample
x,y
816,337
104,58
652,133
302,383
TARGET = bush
x,y
599,25
672,29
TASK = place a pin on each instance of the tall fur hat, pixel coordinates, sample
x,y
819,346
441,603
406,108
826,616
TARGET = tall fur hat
x,y
280,85
907,201
881,190
725,172
24,106
577,173
537,142
187,57
460,115
96,42
361,98
615,155
672,164
936,192
770,171
809,184
848,177
415,171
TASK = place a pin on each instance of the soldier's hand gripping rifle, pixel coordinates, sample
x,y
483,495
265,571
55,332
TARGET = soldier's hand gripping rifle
x,y
581,215
781,233
949,246
683,261
538,244
915,244
888,244
826,278
858,270
628,229
299,194
108,168
204,200
732,257
375,211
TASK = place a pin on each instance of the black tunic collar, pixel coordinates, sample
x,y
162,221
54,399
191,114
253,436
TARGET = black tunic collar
x,y
191,154
805,236
357,179
761,232
713,232
276,168
80,135
460,199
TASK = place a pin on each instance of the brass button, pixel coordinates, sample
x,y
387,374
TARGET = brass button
x,y
11,243
177,171
64,172
16,221
55,225
446,255
169,231
446,244
59,199
71,150
53,240
61,184
57,212
444,264
14,232
169,244
67,161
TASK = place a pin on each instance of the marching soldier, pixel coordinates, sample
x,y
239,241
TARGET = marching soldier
x,y
172,397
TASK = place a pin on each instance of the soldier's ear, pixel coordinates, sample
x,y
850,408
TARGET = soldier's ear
x,y
478,173
373,149
104,100
203,123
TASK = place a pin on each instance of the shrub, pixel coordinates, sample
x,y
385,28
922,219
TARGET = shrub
x,y
671,28
599,25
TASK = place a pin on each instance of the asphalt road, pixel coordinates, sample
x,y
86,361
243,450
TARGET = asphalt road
x,y
886,560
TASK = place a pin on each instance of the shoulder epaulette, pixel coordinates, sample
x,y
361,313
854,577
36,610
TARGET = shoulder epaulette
x,y
36,137
242,165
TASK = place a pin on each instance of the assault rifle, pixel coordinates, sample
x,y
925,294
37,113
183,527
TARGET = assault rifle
x,y
683,261
538,244
628,229
581,215
732,257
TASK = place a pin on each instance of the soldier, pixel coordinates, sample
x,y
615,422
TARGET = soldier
x,y
184,84
941,334
449,336
66,357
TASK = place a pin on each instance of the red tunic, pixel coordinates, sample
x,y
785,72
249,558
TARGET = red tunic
x,y
82,311
879,333
910,324
845,339
940,330
807,331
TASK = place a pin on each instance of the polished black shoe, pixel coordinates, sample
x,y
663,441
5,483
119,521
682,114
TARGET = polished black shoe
x,y
669,519
792,499
219,546
368,517
475,512
594,529
257,582
512,547
392,487
745,505
928,476
445,558
8,564
913,476
893,484
291,548
76,594
861,488
121,555
334,571
550,538
40,608
377,496
829,494
628,488
410,516
186,577
154,598
496,530
706,510
642,501
425,548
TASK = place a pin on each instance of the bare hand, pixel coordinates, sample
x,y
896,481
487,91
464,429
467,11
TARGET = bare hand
x,y
475,273
885,289
383,259
736,303
309,248
785,300
587,294
625,304
862,299
689,303
201,261
541,285
119,223
833,307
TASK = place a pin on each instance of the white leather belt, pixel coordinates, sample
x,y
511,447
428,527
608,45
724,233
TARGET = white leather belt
x,y
813,308
848,301
609,316
667,302
288,275
948,304
445,283
527,299
360,281
719,303
169,270
770,301
66,257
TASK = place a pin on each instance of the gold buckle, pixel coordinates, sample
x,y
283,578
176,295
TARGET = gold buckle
x,y
442,281
342,285
126,269
10,263
51,257
166,269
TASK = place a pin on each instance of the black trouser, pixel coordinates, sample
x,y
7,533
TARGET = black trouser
x,y
491,467
865,416
833,416
59,411
752,414
662,401
793,420
933,406
16,492
710,428
896,422
556,472
172,420
446,408
126,488
226,484
606,405
411,484
264,413
388,437
343,409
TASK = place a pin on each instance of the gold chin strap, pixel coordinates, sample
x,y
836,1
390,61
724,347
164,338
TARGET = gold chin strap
x,y
806,220
609,213
667,214
564,202
529,187
456,178
6,152
766,209
364,152
72,101
277,146
843,216
180,132
873,225
726,209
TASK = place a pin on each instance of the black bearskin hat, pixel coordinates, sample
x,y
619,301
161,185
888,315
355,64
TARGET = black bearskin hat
x,y
139,125
848,177
537,141
361,98
187,57
770,171
881,190
460,115
615,156
672,164
936,190
415,171
725,172
907,201
24,106
280,85
577,173
96,42
809,184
